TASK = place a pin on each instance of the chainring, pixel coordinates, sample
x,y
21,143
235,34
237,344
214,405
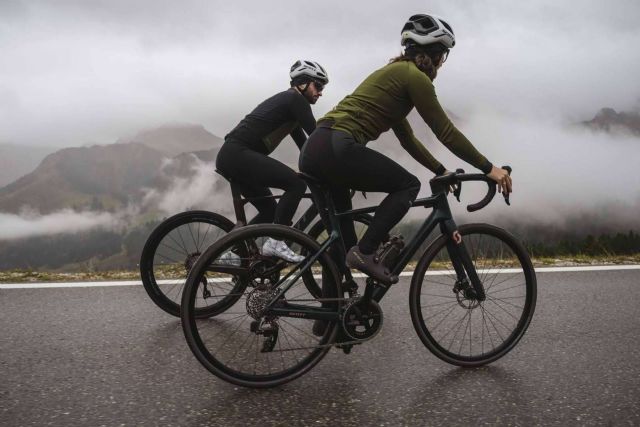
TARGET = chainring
x,y
362,320
260,275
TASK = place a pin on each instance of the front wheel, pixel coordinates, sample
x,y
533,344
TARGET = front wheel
x,y
454,325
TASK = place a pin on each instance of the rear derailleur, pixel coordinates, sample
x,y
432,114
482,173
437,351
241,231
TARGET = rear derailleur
x,y
268,328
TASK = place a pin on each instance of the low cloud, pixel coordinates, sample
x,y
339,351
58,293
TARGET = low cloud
x,y
197,191
561,170
32,224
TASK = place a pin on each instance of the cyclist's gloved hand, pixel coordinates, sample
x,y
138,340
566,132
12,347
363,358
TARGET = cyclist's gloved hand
x,y
502,178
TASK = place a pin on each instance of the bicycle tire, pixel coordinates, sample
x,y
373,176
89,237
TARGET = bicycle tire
x,y
211,341
155,265
500,253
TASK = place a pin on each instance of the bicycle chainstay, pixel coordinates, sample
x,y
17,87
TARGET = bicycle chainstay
x,y
336,344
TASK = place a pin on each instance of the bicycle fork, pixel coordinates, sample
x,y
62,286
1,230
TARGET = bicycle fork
x,y
462,263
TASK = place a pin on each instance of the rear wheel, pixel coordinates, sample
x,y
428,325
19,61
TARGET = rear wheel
x,y
248,344
455,326
171,251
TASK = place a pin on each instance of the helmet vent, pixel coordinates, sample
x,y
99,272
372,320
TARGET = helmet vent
x,y
447,26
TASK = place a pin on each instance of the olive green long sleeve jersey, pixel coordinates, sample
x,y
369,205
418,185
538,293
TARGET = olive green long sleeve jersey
x,y
382,102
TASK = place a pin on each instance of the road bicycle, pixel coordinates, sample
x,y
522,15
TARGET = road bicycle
x,y
471,298
173,247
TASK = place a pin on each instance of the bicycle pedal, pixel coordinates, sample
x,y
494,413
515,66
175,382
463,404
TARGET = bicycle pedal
x,y
349,286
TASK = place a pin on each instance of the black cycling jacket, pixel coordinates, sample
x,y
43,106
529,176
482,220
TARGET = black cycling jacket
x,y
285,113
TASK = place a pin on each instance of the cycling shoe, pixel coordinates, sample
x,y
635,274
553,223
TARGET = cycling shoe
x,y
370,265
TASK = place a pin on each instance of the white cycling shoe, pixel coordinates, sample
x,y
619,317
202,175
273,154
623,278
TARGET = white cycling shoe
x,y
278,248
229,258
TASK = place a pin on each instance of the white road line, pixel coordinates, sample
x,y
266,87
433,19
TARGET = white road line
x,y
403,274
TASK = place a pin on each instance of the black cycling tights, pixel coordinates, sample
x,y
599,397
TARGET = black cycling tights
x,y
254,173
342,164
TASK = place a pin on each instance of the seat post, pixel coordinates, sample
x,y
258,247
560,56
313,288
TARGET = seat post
x,y
238,201
238,205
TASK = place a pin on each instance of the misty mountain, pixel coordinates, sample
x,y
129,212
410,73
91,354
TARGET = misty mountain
x,y
607,119
176,139
16,160
102,179
96,178
110,176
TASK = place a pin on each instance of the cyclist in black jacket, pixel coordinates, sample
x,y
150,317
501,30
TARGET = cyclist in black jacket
x,y
244,156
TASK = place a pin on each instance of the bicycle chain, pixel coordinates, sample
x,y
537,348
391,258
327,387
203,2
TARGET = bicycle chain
x,y
336,344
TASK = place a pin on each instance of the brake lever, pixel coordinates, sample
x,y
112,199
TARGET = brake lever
x,y
458,189
506,195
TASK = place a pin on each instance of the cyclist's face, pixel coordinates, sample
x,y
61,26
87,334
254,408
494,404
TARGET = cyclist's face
x,y
313,92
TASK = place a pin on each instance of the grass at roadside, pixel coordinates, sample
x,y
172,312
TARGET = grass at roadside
x,y
26,276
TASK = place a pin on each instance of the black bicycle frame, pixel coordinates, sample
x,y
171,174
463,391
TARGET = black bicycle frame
x,y
441,215
241,218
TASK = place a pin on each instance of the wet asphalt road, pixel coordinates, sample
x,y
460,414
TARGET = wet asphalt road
x,y
108,356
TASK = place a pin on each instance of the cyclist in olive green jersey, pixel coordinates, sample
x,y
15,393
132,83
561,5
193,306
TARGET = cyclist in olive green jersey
x,y
336,153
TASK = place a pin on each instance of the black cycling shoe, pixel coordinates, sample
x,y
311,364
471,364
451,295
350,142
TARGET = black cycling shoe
x,y
370,265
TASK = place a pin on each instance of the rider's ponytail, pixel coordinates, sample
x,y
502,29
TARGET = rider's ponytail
x,y
424,60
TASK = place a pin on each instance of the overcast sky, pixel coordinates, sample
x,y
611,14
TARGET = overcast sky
x,y
77,72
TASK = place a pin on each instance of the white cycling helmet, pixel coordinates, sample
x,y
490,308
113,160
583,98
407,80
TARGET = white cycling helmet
x,y
310,69
427,30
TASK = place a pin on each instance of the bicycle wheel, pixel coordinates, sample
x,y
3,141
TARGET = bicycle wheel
x,y
170,252
319,233
249,345
464,331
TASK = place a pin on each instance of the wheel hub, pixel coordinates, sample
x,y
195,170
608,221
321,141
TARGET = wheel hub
x,y
465,295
